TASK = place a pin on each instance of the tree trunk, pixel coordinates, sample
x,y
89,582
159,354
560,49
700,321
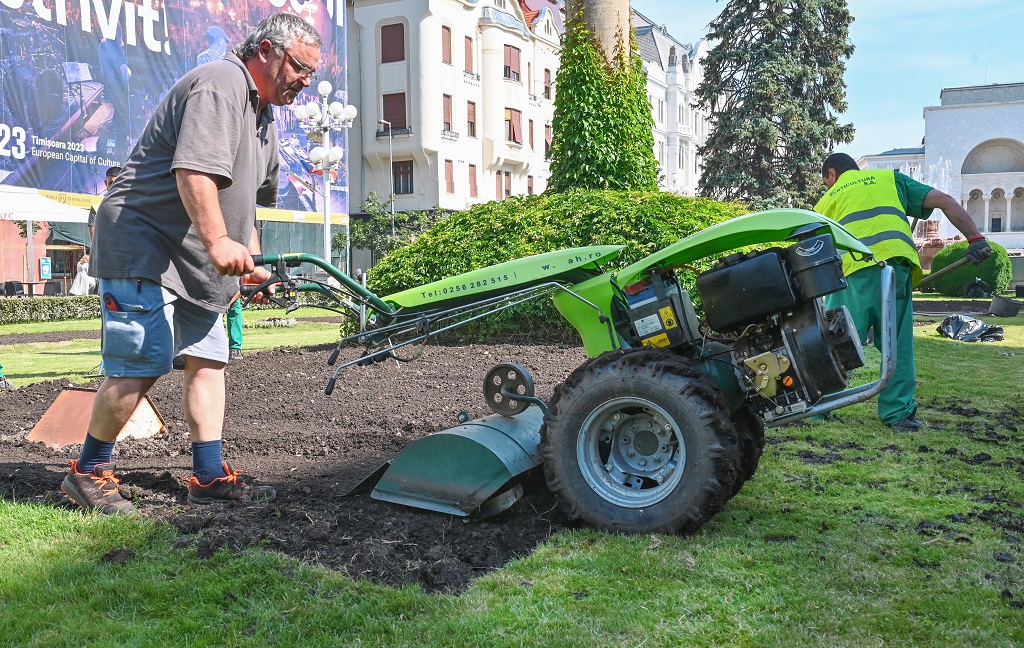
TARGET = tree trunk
x,y
608,20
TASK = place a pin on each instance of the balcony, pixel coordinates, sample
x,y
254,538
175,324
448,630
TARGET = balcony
x,y
394,132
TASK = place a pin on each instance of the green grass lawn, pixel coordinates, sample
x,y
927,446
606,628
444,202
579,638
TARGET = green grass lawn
x,y
75,359
848,535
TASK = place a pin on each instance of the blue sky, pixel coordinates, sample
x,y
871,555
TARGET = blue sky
x,y
906,53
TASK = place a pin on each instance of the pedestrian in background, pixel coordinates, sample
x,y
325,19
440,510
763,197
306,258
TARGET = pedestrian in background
x,y
234,318
876,205
83,284
5,385
173,235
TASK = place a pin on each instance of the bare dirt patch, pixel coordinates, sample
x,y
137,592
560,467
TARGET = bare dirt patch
x,y
282,429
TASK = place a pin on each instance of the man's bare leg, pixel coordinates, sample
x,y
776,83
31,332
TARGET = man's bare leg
x,y
202,398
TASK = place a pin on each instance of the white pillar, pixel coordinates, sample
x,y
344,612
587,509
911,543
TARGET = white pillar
x,y
987,198
1006,221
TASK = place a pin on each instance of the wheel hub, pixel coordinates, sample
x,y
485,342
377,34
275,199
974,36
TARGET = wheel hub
x,y
639,449
636,459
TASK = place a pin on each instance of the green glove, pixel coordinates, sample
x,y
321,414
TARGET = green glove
x,y
978,250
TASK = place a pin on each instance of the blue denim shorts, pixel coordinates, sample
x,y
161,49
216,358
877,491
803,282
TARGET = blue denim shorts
x,y
145,326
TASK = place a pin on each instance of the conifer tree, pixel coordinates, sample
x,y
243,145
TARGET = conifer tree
x,y
773,86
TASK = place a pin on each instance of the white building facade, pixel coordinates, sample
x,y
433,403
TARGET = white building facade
x,y
456,100
905,160
974,151
673,74
980,131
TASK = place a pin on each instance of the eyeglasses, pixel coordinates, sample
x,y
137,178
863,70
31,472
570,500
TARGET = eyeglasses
x,y
304,71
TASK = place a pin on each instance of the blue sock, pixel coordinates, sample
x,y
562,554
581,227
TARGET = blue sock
x,y
94,452
207,461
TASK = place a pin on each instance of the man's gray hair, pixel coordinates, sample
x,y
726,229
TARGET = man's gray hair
x,y
281,29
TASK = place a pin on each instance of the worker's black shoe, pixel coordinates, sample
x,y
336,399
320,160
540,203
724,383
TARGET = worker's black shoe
x,y
228,489
909,424
234,354
96,490
5,385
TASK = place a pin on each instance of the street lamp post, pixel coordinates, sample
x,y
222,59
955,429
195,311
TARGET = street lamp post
x,y
391,157
319,122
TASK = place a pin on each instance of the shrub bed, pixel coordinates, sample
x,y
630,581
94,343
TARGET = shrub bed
x,y
995,271
48,309
644,222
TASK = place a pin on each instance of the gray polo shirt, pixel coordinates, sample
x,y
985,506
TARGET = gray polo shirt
x,y
207,122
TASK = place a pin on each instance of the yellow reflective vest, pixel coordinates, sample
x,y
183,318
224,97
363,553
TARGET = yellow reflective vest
x,y
868,205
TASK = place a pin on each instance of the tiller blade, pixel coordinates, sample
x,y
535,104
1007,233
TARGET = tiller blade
x,y
465,470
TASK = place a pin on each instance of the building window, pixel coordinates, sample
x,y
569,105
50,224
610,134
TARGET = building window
x,y
661,111
511,63
469,54
392,43
531,133
472,180
446,45
513,126
547,138
547,83
449,176
471,118
503,184
403,177
447,109
393,109
529,185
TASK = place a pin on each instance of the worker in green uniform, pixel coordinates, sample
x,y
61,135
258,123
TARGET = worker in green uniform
x,y
876,206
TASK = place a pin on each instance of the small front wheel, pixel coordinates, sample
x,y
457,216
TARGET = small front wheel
x,y
640,441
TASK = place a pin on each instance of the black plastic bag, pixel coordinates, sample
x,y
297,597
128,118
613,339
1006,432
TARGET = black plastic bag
x,y
968,329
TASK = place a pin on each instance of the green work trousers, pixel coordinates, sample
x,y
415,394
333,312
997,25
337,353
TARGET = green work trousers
x,y
234,318
863,297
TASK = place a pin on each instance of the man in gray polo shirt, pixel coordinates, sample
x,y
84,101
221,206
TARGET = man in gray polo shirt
x,y
173,235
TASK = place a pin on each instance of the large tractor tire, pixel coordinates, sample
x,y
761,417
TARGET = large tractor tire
x,y
640,441
750,439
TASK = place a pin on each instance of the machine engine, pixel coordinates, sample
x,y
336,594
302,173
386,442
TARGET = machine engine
x,y
787,350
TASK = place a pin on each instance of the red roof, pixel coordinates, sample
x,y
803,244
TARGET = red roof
x,y
530,14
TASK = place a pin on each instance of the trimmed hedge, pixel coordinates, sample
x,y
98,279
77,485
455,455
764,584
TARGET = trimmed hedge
x,y
48,309
995,271
494,232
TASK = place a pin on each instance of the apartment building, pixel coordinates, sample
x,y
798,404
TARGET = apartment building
x,y
456,100
673,74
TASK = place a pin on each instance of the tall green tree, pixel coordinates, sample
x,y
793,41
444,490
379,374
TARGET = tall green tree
x,y
773,86
382,232
603,130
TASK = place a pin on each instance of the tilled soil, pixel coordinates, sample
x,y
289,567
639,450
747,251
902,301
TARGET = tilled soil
x,y
282,429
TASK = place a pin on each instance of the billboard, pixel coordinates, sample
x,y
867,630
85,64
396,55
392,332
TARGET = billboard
x,y
80,78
